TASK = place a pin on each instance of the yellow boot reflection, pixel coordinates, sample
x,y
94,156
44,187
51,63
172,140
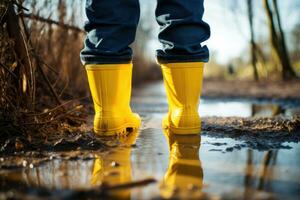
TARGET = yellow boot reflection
x,y
184,176
115,168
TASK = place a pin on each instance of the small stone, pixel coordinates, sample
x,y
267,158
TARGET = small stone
x,y
114,164
1,159
31,166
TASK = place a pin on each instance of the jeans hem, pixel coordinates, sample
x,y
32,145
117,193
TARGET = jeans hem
x,y
175,59
105,60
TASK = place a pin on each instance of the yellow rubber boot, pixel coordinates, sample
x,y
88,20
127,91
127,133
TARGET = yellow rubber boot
x,y
183,83
110,85
184,176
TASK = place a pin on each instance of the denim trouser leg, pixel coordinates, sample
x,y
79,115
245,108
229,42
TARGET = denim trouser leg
x,y
182,31
111,28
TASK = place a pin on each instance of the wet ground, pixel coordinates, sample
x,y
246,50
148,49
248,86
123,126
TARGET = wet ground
x,y
234,158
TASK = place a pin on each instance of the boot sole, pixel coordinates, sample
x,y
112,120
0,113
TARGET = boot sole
x,y
184,131
181,130
130,126
127,128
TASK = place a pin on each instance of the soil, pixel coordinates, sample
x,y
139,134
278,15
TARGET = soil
x,y
256,133
287,90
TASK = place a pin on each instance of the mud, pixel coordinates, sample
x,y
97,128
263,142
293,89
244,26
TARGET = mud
x,y
63,140
256,133
260,133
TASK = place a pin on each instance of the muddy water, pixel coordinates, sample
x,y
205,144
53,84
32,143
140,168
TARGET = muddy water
x,y
183,166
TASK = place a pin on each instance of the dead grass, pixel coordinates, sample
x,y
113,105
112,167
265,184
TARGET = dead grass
x,y
34,75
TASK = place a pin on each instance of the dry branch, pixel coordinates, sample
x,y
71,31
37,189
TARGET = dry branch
x,y
9,71
50,21
22,66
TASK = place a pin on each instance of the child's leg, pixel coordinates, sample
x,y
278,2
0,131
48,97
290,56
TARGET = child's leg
x,y
182,31
182,59
111,28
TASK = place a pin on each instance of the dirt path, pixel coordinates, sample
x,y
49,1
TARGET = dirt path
x,y
250,89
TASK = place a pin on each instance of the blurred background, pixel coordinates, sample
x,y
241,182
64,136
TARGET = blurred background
x,y
250,39
254,53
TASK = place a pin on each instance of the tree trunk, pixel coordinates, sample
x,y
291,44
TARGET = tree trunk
x,y
287,71
277,45
252,41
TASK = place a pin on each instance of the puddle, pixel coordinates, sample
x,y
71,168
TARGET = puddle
x,y
150,98
191,170
185,167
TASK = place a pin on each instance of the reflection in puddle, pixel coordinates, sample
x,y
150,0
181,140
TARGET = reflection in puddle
x,y
116,169
225,173
184,176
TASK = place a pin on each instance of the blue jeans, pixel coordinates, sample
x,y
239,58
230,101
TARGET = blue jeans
x,y
111,28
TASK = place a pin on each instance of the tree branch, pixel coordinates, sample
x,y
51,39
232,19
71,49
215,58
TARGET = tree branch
x,y
50,21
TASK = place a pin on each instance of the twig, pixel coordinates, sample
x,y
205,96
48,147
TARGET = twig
x,y
57,107
49,84
65,86
3,16
27,44
54,119
129,185
44,63
50,21
19,5
9,71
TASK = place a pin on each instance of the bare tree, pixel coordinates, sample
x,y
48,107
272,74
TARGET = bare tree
x,y
277,39
252,40
296,42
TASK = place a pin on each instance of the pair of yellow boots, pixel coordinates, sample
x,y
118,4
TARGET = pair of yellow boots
x,y
110,85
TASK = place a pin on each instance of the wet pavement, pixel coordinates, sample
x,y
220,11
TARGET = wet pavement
x,y
155,164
